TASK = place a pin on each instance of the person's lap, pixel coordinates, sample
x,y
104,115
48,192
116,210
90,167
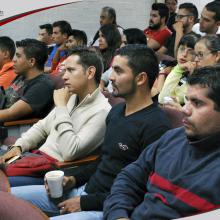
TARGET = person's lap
x,y
36,194
25,181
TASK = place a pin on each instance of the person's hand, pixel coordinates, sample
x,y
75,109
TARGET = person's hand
x,y
70,205
2,163
61,96
188,66
178,27
174,105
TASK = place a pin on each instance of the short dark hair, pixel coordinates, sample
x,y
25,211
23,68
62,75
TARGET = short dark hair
x,y
89,57
47,27
65,27
208,77
214,6
79,35
34,49
162,9
111,13
141,58
135,36
7,44
189,40
191,8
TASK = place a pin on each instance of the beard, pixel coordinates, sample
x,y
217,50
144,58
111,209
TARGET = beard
x,y
154,26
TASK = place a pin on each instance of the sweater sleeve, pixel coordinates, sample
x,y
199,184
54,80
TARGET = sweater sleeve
x,y
171,83
36,134
129,187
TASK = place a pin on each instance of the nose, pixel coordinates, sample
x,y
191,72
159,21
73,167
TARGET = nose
x,y
186,109
112,76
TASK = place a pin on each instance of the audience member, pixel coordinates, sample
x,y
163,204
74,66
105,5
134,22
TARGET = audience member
x,y
130,36
209,22
45,35
172,5
107,16
7,52
175,83
186,17
178,175
76,38
131,126
157,32
207,51
61,32
109,41
76,126
26,95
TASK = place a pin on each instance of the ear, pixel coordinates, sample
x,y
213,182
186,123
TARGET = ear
x,y
141,78
218,57
91,72
65,36
32,62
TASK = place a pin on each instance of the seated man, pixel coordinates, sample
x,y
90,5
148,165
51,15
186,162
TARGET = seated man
x,y
157,32
26,95
131,126
76,38
178,175
75,128
7,52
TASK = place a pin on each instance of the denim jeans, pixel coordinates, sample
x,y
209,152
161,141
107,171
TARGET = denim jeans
x,y
36,194
25,180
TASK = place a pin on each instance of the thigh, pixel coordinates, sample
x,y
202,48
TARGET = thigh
x,y
24,181
36,194
89,215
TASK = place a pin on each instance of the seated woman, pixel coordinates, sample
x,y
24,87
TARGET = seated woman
x,y
175,84
109,41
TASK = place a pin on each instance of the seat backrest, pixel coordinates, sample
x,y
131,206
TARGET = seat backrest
x,y
174,115
12,208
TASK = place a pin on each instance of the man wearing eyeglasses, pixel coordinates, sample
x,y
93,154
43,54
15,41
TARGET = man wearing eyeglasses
x,y
186,17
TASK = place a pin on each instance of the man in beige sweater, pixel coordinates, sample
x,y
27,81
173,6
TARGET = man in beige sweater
x,y
76,126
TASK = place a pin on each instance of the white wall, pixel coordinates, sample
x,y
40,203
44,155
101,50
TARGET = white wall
x,y
83,15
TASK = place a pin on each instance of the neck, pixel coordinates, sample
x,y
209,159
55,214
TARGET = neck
x,y
137,102
214,31
90,89
32,73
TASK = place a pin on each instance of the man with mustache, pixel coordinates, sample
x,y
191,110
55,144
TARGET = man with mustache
x,y
131,127
157,32
178,175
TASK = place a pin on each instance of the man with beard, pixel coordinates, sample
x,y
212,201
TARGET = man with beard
x,y
131,127
179,174
157,32
186,17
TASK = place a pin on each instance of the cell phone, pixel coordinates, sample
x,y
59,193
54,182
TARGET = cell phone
x,y
13,159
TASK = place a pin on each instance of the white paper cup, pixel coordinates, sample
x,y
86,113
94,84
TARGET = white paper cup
x,y
55,183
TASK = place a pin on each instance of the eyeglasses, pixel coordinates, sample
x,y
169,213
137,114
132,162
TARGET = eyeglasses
x,y
201,55
178,17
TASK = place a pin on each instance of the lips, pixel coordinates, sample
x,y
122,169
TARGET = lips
x,y
182,60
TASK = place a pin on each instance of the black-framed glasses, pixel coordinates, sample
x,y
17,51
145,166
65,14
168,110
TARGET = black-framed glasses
x,y
178,17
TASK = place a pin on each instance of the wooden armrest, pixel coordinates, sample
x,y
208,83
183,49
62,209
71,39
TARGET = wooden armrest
x,y
21,122
4,183
79,162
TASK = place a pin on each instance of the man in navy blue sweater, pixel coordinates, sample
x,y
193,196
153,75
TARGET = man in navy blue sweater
x,y
178,175
130,127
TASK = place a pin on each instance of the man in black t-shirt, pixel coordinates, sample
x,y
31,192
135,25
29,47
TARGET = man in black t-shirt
x,y
131,126
31,93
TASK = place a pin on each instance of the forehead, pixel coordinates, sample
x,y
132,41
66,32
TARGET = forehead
x,y
198,92
43,31
182,11
154,12
71,37
171,2
120,61
207,14
201,46
19,50
104,14
72,60
56,29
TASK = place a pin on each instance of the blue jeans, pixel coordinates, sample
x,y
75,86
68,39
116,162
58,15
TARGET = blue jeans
x,y
37,195
25,180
